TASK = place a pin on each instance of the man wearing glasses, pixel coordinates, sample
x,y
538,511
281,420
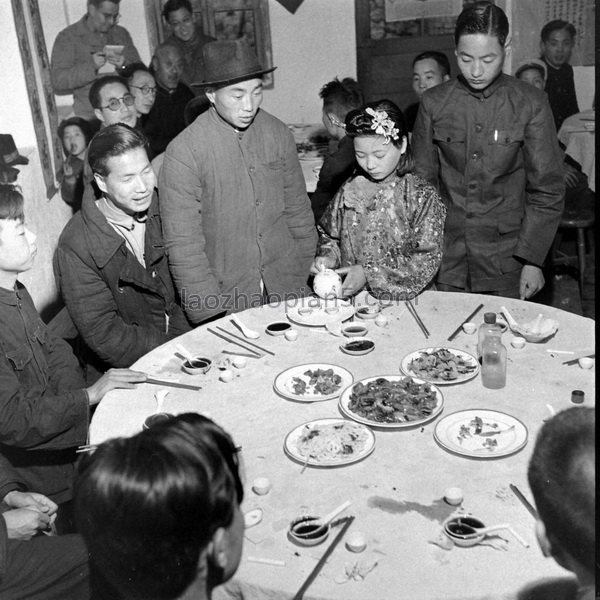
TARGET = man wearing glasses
x,y
79,53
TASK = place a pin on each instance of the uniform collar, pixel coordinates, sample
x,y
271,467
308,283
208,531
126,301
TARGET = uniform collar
x,y
486,92
9,297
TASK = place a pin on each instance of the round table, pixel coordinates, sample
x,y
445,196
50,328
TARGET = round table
x,y
396,492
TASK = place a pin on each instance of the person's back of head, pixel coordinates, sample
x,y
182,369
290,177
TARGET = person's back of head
x,y
340,97
482,17
160,511
561,476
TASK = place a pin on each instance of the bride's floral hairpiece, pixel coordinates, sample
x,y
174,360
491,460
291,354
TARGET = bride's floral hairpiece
x,y
383,125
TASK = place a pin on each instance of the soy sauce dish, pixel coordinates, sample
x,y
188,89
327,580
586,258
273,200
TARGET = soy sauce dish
x,y
358,346
199,365
278,328
305,532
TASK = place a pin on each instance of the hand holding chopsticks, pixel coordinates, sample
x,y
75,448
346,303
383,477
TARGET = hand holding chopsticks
x,y
457,330
413,311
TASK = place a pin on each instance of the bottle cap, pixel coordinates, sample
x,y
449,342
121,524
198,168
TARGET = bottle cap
x,y
489,317
577,397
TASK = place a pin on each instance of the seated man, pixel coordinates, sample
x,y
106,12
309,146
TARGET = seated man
x,y
33,565
166,118
111,260
181,507
429,69
562,477
188,36
339,98
44,407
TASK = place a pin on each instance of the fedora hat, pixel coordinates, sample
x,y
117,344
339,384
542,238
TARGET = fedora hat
x,y
230,61
9,155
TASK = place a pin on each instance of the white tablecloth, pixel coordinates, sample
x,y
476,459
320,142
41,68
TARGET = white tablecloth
x,y
580,143
397,492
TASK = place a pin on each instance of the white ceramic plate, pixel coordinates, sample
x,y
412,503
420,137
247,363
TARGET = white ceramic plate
x,y
330,440
465,356
344,403
284,382
322,312
457,433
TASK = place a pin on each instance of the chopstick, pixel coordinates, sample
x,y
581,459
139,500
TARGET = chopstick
x,y
166,382
457,330
237,337
317,569
231,341
517,492
413,312
574,361
86,448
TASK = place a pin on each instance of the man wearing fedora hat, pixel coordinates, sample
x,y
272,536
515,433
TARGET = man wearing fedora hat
x,y
237,221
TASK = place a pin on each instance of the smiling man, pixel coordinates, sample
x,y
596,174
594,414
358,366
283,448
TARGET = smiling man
x,y
110,259
236,217
488,141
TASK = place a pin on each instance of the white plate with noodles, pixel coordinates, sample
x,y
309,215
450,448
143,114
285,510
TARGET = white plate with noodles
x,y
439,365
391,401
312,382
329,442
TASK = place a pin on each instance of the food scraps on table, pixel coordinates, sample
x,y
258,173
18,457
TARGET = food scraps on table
x,y
322,381
476,426
397,401
441,365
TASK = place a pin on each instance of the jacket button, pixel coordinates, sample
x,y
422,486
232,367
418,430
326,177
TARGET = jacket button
x,y
154,274
478,127
475,155
121,290
260,235
448,139
258,203
506,140
251,169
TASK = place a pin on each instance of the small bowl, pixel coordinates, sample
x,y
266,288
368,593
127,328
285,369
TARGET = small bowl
x,y
469,328
305,311
261,486
368,312
381,321
199,365
278,328
356,541
586,362
453,496
354,330
518,342
332,310
291,335
156,418
239,362
226,375
358,346
296,528
463,536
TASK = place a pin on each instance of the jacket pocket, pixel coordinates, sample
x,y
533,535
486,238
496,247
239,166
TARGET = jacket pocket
x,y
451,143
20,358
504,154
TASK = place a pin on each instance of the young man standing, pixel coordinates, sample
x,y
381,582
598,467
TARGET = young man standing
x,y
488,141
111,259
558,39
237,221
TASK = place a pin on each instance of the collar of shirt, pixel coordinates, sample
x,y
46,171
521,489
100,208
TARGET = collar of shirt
x,y
9,297
116,216
486,92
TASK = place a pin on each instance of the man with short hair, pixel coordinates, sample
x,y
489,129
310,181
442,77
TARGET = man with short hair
x,y
112,101
339,98
237,222
166,118
160,511
78,52
111,260
187,35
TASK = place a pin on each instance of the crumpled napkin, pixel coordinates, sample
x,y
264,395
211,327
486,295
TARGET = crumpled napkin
x,y
357,571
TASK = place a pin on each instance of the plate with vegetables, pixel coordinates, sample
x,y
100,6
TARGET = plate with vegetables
x,y
481,433
391,401
312,382
442,366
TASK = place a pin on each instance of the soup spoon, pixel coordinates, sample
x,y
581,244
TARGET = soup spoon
x,y
249,333
313,527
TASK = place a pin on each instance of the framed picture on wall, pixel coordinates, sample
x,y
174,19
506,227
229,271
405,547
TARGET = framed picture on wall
x,y
223,20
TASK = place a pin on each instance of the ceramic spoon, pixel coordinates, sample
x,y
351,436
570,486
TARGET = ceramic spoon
x,y
185,353
249,333
481,531
320,524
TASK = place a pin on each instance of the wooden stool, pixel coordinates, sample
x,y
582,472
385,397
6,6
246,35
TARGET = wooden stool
x,y
579,214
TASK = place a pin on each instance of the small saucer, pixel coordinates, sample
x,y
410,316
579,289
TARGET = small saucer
x,y
354,330
368,312
358,346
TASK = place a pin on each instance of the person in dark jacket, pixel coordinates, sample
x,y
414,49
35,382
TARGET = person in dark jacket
x,y
44,404
111,261
488,141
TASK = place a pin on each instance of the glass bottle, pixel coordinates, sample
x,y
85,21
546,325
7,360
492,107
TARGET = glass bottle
x,y
493,367
489,324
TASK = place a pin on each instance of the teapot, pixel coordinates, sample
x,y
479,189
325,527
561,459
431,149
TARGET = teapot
x,y
327,284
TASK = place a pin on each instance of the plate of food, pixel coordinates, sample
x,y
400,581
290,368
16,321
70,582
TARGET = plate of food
x,y
481,433
442,366
319,312
329,442
312,382
391,401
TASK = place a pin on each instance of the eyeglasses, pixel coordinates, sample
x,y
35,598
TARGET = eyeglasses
x,y
115,103
145,89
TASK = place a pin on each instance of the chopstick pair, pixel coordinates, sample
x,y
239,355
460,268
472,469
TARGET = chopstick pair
x,y
517,492
457,330
413,312
574,361
175,384
317,569
232,340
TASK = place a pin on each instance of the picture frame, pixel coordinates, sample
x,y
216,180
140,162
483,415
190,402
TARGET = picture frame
x,y
224,20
